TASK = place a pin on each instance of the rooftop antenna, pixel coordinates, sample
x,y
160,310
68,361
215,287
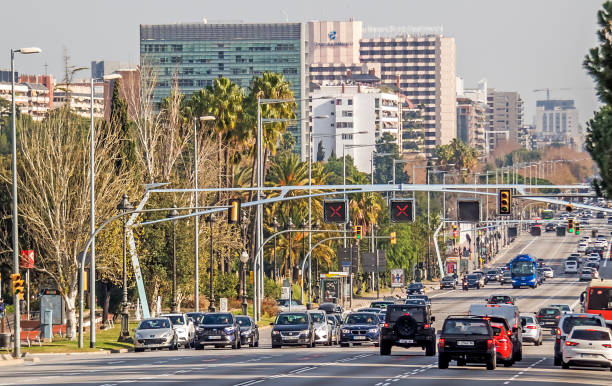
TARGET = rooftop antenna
x,y
46,68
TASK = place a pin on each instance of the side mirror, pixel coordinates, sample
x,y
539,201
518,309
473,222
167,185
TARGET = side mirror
x,y
271,323
582,297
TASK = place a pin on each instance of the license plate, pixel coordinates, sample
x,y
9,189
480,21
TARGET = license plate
x,y
359,337
465,343
290,337
588,356
406,341
214,337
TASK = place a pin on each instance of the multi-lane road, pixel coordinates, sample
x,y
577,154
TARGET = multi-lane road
x,y
343,366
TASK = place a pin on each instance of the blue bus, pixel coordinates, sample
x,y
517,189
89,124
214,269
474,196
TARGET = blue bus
x,y
523,269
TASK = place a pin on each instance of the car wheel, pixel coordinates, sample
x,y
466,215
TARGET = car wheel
x,y
564,365
256,344
198,346
430,350
312,343
492,362
138,349
557,361
443,362
344,344
235,345
385,348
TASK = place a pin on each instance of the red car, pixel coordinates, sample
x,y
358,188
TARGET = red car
x,y
503,343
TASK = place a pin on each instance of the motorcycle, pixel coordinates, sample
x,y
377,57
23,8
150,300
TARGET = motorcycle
x,y
465,285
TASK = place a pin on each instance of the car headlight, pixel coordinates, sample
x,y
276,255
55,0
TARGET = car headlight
x,y
373,330
304,332
229,330
322,328
275,332
138,336
346,331
246,332
167,335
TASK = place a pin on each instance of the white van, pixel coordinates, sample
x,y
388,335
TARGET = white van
x,y
571,266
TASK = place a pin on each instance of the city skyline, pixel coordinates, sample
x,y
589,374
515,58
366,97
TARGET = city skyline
x,y
551,48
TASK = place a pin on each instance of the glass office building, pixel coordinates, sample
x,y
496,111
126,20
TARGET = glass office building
x,y
198,53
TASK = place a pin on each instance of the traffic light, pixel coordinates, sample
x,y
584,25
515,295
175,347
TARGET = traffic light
x,y
569,208
570,225
357,232
577,225
334,211
504,199
233,214
17,283
455,231
393,237
401,210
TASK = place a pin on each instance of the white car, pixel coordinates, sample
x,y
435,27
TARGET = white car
x,y
183,326
586,274
571,266
593,257
582,247
548,272
587,346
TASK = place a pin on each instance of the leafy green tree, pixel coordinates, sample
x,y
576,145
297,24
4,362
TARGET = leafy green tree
x,y
383,165
320,152
119,118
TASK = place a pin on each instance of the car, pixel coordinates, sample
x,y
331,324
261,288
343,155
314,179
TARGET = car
x,y
424,297
600,215
382,304
570,266
506,278
510,312
337,317
283,305
609,220
415,288
249,331
548,316
592,264
567,323
334,325
593,258
448,282
501,299
184,327
582,247
565,308
322,327
532,332
548,272
408,325
293,329
473,281
414,301
492,275
587,346
219,329
467,339
155,333
369,309
360,328
503,345
196,317
550,227
587,274
331,308
483,278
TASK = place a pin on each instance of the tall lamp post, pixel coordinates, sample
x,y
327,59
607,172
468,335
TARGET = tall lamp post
x,y
211,307
244,259
173,214
124,335
17,329
92,210
275,226
196,220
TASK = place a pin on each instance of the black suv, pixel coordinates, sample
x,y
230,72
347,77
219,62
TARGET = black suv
x,y
293,329
219,329
467,339
408,326
415,288
548,316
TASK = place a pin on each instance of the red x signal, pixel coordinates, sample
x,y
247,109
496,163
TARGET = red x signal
x,y
335,211
402,210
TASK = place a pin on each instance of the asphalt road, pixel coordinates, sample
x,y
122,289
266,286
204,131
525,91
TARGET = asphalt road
x,y
342,366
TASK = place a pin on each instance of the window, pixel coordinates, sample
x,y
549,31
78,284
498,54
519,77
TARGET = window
x,y
350,102
338,102
347,136
347,113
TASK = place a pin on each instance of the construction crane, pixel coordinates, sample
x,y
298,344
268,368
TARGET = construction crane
x,y
548,90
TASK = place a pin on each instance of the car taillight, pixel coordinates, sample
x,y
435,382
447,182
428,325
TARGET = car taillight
x,y
607,345
531,327
558,332
509,332
441,344
570,343
558,317
426,326
386,325
489,343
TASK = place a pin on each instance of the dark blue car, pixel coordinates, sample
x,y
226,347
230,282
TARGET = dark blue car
x,y
360,328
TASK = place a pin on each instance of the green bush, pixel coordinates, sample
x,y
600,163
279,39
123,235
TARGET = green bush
x,y
271,289
226,285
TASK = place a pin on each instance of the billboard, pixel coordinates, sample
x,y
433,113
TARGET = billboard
x,y
397,278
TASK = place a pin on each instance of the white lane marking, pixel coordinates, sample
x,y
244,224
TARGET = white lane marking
x,y
115,362
527,246
442,293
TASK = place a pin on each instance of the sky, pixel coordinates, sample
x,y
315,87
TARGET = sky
x,y
518,45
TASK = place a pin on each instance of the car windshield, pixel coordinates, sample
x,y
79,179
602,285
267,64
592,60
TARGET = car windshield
x,y
523,268
499,299
218,319
244,322
472,277
197,317
176,320
549,311
291,319
153,324
563,307
528,319
380,304
317,317
591,335
418,313
573,321
491,272
448,278
466,327
285,302
358,318
415,285
600,299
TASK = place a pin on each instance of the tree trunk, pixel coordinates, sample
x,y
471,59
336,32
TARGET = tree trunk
x,y
153,300
71,322
107,286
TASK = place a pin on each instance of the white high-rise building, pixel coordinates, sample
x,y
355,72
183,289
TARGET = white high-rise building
x,y
557,122
354,119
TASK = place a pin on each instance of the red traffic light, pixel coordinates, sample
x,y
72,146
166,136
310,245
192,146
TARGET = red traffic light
x,y
335,211
401,210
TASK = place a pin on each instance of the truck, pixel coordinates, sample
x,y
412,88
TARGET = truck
x,y
523,269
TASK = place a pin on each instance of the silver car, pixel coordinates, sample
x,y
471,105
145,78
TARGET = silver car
x,y
532,332
322,328
155,333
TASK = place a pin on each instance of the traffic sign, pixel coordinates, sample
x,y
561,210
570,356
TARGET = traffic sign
x,y
401,210
335,211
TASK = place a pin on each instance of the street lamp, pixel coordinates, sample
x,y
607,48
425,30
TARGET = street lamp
x,y
124,336
92,209
17,329
211,306
196,220
244,258
275,226
173,214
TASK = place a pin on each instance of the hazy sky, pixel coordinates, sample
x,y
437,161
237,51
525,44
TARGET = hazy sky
x,y
516,45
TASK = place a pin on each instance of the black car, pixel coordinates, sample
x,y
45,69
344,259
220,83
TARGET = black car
x,y
196,317
600,215
550,227
549,316
448,282
467,339
293,329
424,297
473,281
330,308
359,328
217,329
415,288
249,331
492,275
501,299
484,279
408,326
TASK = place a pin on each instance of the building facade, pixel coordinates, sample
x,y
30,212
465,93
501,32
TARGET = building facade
x,y
472,124
504,117
78,96
100,68
352,121
557,122
129,90
195,54
30,98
